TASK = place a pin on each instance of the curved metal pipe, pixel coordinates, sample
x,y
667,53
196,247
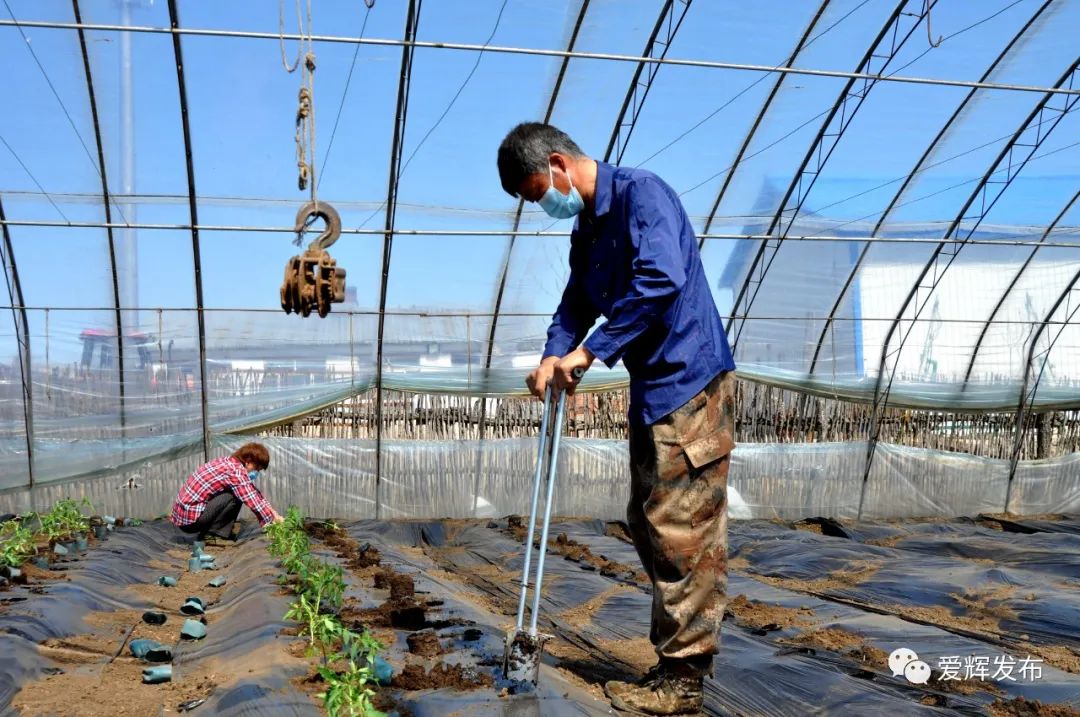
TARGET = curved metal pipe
x,y
759,118
822,150
412,19
193,208
1014,166
505,272
930,148
1012,284
108,220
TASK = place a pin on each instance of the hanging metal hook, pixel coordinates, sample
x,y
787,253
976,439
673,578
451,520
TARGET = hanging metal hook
x,y
929,32
311,211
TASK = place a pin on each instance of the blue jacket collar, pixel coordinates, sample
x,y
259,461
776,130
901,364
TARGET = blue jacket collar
x,y
605,174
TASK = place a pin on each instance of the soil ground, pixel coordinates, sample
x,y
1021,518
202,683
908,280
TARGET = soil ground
x,y
439,650
96,674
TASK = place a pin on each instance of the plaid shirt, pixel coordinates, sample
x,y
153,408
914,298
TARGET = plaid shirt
x,y
217,476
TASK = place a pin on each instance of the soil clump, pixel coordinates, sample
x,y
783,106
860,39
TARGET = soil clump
x,y
424,643
414,677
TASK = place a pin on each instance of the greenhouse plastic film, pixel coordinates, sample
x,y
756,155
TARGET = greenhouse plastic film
x,y
794,480
1047,486
241,626
908,481
756,670
146,490
464,479
267,371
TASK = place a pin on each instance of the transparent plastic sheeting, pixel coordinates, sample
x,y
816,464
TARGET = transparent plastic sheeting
x,y
821,305
266,368
463,479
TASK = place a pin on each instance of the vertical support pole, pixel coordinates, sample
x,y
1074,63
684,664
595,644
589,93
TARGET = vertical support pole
x,y
478,469
174,22
119,300
468,350
22,335
128,255
352,355
1027,399
412,17
877,416
48,368
1017,449
353,404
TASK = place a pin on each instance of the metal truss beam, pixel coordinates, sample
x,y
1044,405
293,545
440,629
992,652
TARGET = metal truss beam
x,y
412,19
1012,285
915,171
737,163
1012,159
193,208
508,257
890,39
669,21
1070,299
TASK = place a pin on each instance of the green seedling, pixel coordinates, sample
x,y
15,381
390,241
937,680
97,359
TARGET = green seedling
x,y
296,552
325,634
295,562
323,583
276,533
51,526
69,515
17,545
306,613
361,648
348,692
294,518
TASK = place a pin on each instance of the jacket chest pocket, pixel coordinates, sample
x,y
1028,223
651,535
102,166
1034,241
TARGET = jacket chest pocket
x,y
601,285
609,273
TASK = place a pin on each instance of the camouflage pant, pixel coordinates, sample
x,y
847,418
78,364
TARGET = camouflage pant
x,y
678,518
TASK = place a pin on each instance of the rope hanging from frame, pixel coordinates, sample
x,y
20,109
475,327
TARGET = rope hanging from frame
x,y
305,111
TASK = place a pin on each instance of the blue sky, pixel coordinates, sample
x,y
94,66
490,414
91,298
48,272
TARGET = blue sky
x,y
243,103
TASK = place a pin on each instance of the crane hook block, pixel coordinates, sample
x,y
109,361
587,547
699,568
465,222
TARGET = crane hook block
x,y
313,280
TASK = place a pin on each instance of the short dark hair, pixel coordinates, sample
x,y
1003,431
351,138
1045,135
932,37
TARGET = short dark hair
x,y
253,453
525,150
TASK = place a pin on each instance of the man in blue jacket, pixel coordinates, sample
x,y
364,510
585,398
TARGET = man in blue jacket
x,y
634,260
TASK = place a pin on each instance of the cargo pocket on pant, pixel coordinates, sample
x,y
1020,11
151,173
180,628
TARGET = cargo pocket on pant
x,y
707,491
708,449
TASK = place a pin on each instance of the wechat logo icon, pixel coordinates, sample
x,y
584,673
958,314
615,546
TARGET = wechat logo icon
x,y
904,662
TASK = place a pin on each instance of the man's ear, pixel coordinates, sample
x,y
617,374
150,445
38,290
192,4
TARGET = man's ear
x,y
559,161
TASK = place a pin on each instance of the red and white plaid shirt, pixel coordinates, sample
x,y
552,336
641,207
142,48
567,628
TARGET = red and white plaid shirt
x,y
217,476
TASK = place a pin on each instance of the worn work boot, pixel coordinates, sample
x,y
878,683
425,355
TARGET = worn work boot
x,y
668,689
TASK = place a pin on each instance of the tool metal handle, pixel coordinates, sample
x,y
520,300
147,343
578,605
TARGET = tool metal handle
x,y
540,459
552,471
